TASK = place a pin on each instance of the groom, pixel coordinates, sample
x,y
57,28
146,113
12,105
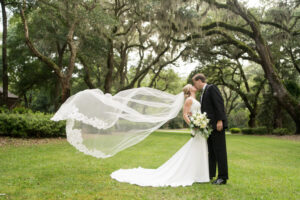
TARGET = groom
x,y
213,104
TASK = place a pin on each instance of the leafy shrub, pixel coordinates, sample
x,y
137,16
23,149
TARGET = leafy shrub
x,y
235,130
4,109
258,130
247,131
30,125
282,131
21,110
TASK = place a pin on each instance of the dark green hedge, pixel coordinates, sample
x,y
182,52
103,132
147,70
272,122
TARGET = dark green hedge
x,y
282,131
30,125
257,131
265,131
247,131
235,130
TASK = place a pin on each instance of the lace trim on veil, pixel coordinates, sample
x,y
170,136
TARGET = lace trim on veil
x,y
74,114
74,137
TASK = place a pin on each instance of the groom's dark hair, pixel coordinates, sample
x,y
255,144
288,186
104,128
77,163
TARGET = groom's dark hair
x,y
199,76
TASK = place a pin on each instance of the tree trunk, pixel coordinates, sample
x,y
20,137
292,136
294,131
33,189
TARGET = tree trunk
x,y
56,94
87,76
25,100
66,89
123,72
279,91
30,100
63,77
252,120
277,116
110,65
294,60
298,127
98,76
4,55
123,65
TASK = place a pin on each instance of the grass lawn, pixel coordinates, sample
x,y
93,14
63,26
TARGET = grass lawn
x,y
259,168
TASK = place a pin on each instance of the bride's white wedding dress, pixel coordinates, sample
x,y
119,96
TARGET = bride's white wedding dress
x,y
188,165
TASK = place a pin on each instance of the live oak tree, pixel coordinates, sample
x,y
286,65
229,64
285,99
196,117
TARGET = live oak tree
x,y
62,45
243,29
60,19
262,54
135,33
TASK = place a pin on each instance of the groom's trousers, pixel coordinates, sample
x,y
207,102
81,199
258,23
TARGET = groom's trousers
x,y
217,154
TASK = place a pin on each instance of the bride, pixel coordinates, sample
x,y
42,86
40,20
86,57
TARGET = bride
x,y
186,166
102,125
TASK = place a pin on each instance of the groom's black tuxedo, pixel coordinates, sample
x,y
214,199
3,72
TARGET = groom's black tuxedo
x,y
213,104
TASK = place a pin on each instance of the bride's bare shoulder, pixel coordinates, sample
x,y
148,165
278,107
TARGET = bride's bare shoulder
x,y
188,101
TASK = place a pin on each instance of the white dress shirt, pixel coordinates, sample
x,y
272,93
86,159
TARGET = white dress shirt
x,y
203,92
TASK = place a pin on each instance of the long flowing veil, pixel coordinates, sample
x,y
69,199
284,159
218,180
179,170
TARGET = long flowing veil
x,y
101,125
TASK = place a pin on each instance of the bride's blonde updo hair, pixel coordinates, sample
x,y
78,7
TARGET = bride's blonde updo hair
x,y
187,90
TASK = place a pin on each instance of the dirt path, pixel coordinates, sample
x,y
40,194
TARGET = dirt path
x,y
287,137
28,141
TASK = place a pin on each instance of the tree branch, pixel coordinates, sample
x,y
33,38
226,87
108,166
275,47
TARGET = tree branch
x,y
30,45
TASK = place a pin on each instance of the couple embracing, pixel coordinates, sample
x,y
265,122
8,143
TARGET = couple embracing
x,y
199,158
211,102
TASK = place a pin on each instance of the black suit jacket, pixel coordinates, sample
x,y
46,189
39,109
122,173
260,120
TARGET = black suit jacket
x,y
213,104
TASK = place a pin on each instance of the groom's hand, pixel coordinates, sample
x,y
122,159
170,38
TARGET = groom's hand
x,y
220,125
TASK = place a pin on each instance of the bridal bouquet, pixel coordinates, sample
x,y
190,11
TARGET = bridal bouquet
x,y
199,123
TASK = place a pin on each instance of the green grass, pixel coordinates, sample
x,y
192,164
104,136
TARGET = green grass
x,y
259,168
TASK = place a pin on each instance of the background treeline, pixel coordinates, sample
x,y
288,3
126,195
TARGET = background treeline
x,y
53,49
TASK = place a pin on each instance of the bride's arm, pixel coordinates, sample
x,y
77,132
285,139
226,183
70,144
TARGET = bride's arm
x,y
186,109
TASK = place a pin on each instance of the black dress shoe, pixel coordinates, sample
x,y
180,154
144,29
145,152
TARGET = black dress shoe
x,y
219,181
